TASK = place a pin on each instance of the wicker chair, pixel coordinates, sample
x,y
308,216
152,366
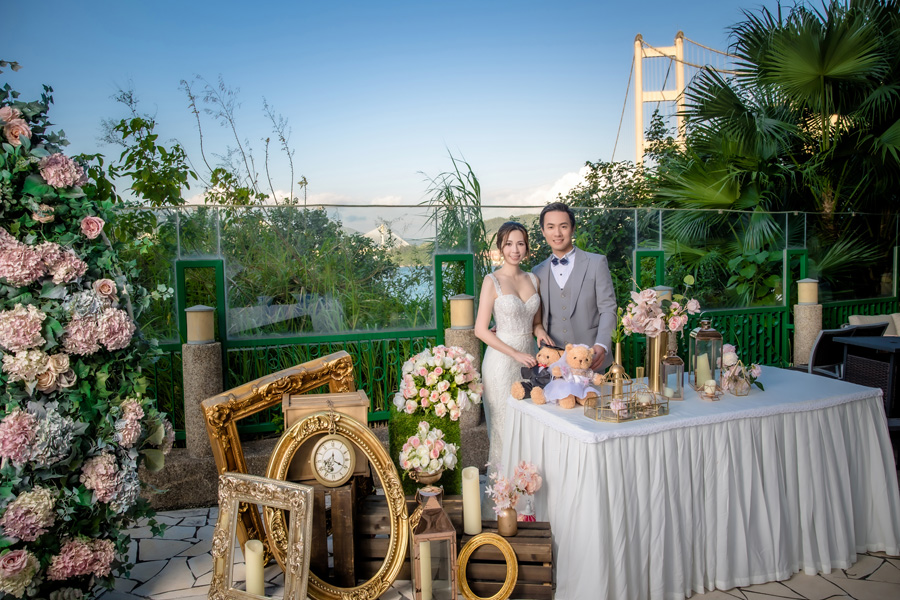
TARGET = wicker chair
x,y
827,356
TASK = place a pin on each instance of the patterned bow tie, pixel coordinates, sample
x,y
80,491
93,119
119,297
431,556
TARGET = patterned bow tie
x,y
559,261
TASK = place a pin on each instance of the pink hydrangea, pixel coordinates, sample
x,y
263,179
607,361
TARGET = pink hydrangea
x,y
25,365
30,515
128,426
116,328
17,431
17,569
92,227
99,474
20,328
20,265
82,336
61,171
82,556
68,268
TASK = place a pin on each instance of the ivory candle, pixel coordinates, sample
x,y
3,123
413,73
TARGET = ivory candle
x,y
425,569
471,501
709,387
253,557
668,392
702,372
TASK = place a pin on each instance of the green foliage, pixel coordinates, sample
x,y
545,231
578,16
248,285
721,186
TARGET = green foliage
x,y
756,279
158,174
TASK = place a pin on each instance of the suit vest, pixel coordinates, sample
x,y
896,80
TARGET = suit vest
x,y
560,308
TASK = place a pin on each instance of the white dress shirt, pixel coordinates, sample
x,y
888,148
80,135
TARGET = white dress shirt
x,y
560,271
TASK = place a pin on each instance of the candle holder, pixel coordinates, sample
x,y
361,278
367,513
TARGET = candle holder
x,y
671,372
433,558
705,353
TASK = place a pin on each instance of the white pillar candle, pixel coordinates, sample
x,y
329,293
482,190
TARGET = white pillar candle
x,y
471,501
253,557
425,569
710,387
702,372
668,392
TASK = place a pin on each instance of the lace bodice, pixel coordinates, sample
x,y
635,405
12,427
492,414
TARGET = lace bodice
x,y
511,315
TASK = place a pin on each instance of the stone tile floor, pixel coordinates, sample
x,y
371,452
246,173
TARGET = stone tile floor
x,y
179,566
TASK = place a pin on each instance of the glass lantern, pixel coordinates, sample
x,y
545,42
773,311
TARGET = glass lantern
x,y
671,372
705,355
432,548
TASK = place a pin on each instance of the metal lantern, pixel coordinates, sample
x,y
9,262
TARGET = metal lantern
x,y
705,355
671,372
432,548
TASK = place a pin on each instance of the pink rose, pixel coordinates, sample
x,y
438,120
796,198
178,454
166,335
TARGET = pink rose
x,y
91,227
438,371
648,296
13,563
440,410
423,393
106,288
693,306
674,324
8,113
426,403
755,371
435,453
726,348
411,406
415,442
15,128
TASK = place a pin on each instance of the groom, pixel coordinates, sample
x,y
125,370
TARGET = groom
x,y
579,304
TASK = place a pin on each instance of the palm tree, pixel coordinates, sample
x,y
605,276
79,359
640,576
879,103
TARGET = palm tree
x,y
810,122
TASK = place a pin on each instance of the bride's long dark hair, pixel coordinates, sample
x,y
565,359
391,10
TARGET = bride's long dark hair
x,y
508,228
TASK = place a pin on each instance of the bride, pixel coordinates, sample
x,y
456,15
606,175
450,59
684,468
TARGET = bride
x,y
513,297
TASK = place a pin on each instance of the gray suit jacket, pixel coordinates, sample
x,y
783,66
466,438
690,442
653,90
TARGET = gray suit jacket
x,y
591,318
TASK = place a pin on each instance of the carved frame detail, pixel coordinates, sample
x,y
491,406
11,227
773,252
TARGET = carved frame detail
x,y
237,490
225,410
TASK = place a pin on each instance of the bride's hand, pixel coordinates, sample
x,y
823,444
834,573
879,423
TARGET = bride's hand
x,y
526,359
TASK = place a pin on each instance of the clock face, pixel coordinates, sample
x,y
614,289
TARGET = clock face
x,y
333,460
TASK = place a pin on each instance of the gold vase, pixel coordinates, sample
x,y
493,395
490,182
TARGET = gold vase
x,y
426,478
616,372
508,522
656,351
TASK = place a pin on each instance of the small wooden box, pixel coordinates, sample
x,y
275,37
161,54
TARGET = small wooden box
x,y
297,407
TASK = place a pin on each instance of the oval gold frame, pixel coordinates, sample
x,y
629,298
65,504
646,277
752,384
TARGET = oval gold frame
x,y
363,438
512,565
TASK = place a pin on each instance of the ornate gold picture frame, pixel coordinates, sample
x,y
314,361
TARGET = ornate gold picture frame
x,y
237,489
512,565
225,410
362,437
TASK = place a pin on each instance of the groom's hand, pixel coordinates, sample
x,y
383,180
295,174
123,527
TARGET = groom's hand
x,y
599,357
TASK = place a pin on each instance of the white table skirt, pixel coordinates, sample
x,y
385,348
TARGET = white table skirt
x,y
715,495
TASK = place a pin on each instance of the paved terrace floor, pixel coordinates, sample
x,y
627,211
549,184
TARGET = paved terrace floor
x,y
179,566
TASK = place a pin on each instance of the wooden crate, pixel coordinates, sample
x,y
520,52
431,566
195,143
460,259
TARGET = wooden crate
x,y
486,571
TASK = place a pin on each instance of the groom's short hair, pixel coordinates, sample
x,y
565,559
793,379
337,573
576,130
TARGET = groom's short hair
x,y
561,207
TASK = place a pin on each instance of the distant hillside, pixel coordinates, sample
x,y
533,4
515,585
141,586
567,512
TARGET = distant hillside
x,y
492,225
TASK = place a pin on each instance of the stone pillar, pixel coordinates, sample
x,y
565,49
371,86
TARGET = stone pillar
x,y
465,339
807,325
202,365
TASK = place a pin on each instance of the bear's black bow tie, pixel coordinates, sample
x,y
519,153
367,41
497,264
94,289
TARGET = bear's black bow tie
x,y
559,261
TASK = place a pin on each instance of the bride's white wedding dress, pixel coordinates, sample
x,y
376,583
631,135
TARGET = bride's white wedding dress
x,y
514,319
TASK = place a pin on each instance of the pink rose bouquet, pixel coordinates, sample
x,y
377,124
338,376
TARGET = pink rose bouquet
x,y
442,380
649,315
505,493
427,452
735,373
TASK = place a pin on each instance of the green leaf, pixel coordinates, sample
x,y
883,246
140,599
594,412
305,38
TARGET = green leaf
x,y
689,280
36,186
156,436
154,460
749,271
50,290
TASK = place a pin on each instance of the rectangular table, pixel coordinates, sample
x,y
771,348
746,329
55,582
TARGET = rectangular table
x,y
715,495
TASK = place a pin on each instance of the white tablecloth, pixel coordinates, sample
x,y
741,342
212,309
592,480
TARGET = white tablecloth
x,y
715,495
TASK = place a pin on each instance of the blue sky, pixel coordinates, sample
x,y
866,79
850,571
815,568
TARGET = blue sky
x,y
376,93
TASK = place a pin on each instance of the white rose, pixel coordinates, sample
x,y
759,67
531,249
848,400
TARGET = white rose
x,y
729,359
